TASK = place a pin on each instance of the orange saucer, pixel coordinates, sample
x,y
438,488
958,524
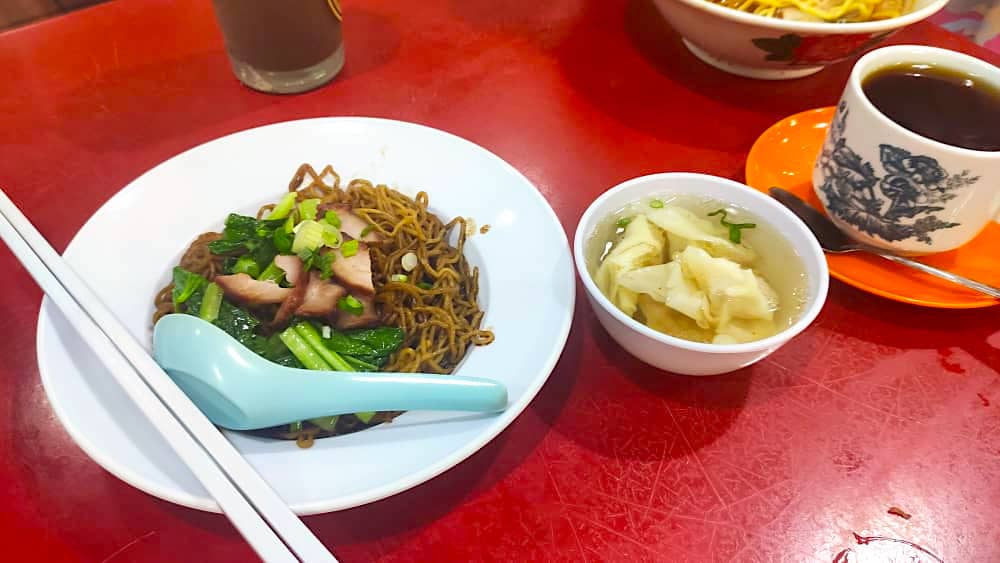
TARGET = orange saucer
x,y
784,155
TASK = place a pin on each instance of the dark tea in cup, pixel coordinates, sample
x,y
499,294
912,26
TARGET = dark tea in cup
x,y
938,102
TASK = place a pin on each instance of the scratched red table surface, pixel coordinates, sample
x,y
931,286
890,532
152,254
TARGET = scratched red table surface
x,y
876,405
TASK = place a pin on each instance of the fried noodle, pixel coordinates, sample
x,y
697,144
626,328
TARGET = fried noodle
x,y
437,307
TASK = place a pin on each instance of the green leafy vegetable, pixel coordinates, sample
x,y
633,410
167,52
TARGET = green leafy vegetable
x,y
360,364
366,349
350,305
211,302
243,235
348,347
282,240
284,207
307,209
246,265
185,285
365,231
735,229
349,248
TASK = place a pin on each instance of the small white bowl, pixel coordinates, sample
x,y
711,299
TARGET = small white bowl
x,y
775,49
684,356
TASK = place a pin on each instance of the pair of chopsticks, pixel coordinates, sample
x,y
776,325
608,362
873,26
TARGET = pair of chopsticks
x,y
257,512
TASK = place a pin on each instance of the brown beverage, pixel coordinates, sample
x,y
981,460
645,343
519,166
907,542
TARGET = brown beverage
x,y
937,102
282,45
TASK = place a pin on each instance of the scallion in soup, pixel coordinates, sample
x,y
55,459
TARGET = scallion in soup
x,y
698,269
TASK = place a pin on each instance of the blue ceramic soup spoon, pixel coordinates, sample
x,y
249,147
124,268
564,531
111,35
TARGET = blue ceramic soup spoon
x,y
239,390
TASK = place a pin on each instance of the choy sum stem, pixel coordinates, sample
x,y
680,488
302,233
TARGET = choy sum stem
x,y
302,351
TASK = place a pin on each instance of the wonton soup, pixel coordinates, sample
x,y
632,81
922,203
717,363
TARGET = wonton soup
x,y
698,269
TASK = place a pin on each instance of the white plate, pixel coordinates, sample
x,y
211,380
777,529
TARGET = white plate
x,y
126,250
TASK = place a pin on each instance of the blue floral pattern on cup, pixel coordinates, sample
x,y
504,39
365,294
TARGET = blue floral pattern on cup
x,y
899,204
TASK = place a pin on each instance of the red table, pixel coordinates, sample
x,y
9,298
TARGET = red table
x,y
878,404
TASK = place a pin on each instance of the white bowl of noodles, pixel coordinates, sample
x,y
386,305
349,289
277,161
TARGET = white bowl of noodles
x,y
657,323
792,42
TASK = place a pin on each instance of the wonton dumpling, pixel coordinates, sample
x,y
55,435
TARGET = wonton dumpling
x,y
733,291
658,316
641,245
667,284
738,331
680,223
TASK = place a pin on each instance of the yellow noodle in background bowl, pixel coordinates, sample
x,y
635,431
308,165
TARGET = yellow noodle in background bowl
x,y
785,39
836,11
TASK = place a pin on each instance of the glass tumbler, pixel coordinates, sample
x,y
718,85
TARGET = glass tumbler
x,y
282,46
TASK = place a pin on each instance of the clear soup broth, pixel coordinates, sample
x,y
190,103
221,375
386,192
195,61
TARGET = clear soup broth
x,y
774,260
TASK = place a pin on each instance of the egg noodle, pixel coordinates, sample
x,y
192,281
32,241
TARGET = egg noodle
x,y
833,11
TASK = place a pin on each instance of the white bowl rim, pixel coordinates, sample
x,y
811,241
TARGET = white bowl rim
x,y
774,341
818,28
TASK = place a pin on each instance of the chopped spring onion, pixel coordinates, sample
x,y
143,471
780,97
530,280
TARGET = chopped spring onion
x,y
290,225
326,331
656,204
735,234
308,236
623,222
349,248
425,285
332,219
399,277
302,351
350,305
211,301
247,265
284,207
311,336
295,427
409,261
331,236
365,231
272,273
307,209
365,417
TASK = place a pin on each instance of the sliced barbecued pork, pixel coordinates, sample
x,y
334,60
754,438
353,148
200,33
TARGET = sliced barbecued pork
x,y
355,272
296,295
352,224
291,265
321,297
367,318
248,291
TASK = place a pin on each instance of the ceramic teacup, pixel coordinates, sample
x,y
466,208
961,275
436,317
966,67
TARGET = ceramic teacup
x,y
892,188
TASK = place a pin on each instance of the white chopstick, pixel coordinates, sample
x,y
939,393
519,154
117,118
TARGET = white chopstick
x,y
247,500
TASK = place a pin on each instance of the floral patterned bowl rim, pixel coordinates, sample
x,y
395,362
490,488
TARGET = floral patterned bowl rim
x,y
819,28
